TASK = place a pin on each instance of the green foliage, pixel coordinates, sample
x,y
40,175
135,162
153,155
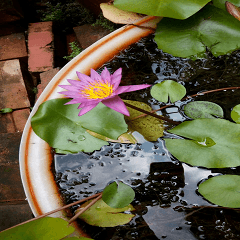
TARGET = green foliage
x,y
223,190
53,13
118,195
105,23
168,89
6,110
235,114
211,143
180,9
102,215
221,3
44,228
150,127
203,109
75,51
211,27
61,127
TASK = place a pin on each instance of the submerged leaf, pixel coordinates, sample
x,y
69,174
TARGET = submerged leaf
x,y
168,89
118,195
150,127
203,109
235,114
61,127
44,228
210,27
101,215
223,190
213,143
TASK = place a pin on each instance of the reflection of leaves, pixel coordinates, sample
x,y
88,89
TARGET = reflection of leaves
x,y
118,195
101,215
211,27
61,127
214,143
235,114
44,228
223,190
150,127
179,9
203,109
168,89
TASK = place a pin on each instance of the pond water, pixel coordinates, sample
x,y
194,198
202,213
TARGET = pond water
x,y
167,203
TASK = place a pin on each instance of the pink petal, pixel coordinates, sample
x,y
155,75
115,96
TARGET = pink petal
x,y
71,94
95,76
105,75
88,103
76,100
116,104
84,78
116,78
75,83
87,109
131,88
69,87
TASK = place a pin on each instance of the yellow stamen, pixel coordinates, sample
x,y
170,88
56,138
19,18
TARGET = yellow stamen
x,y
98,90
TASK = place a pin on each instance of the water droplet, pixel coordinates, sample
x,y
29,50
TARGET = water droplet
x,y
81,138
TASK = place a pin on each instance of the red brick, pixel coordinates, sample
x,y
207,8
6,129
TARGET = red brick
x,y
88,34
6,123
13,46
45,78
13,92
20,118
40,46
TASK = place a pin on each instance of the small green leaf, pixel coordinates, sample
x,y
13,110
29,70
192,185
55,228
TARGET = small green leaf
x,y
118,195
211,143
168,89
150,127
223,190
235,114
6,110
203,109
101,215
44,228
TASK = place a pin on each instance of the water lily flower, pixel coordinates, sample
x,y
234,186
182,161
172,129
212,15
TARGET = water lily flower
x,y
90,91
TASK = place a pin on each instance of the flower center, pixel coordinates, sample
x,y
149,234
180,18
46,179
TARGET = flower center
x,y
97,90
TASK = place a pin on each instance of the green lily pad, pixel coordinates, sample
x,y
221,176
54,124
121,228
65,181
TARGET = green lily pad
x,y
223,190
118,195
221,3
44,228
61,127
168,89
213,143
150,127
179,9
203,109
235,114
102,215
211,27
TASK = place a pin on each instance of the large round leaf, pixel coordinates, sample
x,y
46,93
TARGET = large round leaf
x,y
179,9
211,27
235,114
61,127
223,190
168,89
203,109
214,143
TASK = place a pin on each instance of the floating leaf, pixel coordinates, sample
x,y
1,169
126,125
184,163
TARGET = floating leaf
x,y
150,127
44,228
203,109
179,9
214,143
118,195
211,27
62,128
168,89
101,215
235,114
117,15
223,190
221,3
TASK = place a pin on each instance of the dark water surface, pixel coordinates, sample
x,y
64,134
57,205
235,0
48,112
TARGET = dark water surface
x,y
167,203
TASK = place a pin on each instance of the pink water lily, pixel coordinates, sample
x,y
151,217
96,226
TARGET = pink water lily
x,y
90,91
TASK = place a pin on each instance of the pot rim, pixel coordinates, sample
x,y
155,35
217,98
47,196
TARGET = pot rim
x,y
35,157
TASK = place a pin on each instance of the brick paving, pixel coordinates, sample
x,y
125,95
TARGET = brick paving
x,y
26,60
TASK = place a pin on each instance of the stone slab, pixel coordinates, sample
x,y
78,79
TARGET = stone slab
x,y
13,93
13,46
6,123
40,47
11,215
20,118
9,149
88,34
